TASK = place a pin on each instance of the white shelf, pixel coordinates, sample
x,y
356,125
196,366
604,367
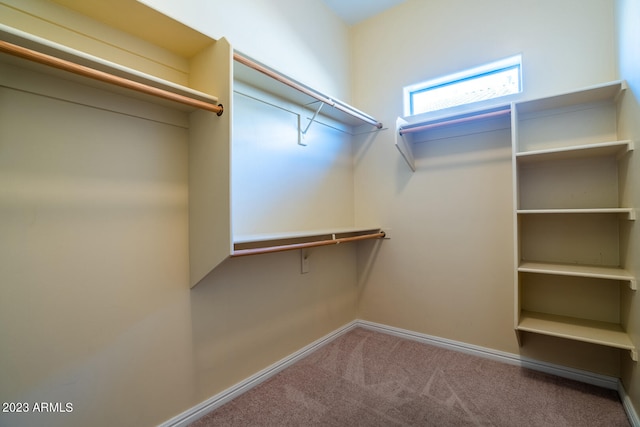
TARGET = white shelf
x,y
268,243
265,237
82,59
597,93
591,331
613,148
276,83
448,123
576,270
629,212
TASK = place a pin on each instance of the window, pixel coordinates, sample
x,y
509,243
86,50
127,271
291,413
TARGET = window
x,y
488,81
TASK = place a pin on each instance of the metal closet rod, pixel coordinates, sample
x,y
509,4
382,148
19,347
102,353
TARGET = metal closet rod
x,y
104,77
301,88
450,122
294,246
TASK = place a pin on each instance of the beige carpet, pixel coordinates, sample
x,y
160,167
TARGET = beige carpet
x,y
365,378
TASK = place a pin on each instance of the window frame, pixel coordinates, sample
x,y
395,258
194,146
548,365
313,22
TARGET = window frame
x,y
494,67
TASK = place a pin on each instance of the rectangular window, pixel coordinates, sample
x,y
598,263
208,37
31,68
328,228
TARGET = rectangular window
x,y
488,81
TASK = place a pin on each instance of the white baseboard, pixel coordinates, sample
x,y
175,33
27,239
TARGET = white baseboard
x,y
501,356
604,381
214,402
628,407
198,411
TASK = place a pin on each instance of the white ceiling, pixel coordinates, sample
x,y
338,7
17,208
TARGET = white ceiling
x,y
354,11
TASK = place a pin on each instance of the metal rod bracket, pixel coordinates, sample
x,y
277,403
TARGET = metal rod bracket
x,y
302,133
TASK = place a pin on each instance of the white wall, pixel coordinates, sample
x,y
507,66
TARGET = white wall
x,y
628,32
447,271
564,45
280,186
302,39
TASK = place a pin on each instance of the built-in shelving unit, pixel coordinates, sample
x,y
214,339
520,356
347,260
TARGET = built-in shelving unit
x,y
172,65
162,71
569,248
569,223
279,98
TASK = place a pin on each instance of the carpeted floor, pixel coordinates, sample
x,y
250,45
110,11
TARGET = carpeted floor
x,y
365,378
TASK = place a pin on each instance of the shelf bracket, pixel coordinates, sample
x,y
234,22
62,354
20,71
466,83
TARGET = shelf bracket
x,y
404,146
631,216
634,354
633,284
621,154
302,133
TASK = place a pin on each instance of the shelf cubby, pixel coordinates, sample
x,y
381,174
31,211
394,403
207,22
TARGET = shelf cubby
x,y
603,149
579,270
586,330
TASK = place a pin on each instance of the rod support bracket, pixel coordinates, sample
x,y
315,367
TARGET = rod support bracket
x,y
302,133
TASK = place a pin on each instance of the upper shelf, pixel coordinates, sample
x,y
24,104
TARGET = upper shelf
x,y
445,124
613,148
436,126
454,120
108,37
31,51
259,75
597,93
629,213
158,29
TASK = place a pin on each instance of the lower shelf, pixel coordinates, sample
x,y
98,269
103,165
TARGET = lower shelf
x,y
254,245
592,331
601,272
629,213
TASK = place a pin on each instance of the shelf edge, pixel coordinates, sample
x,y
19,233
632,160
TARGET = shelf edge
x,y
574,271
65,53
334,240
562,323
630,213
621,144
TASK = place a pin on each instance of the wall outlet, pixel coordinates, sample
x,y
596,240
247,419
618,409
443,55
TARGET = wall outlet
x,y
304,262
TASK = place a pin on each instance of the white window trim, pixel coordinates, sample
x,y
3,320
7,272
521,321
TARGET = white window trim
x,y
515,60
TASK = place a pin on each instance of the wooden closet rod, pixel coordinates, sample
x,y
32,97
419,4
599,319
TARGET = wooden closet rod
x,y
301,88
294,246
92,73
454,121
